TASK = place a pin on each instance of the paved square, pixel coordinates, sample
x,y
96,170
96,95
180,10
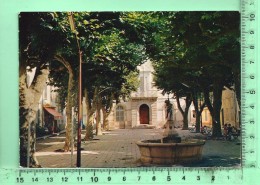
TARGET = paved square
x,y
117,148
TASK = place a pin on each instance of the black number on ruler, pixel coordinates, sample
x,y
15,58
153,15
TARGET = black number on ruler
x,y
35,179
169,178
252,17
49,179
154,178
252,91
252,62
252,32
109,179
252,77
20,180
94,179
80,179
252,122
252,47
213,178
198,178
124,178
183,178
64,179
252,106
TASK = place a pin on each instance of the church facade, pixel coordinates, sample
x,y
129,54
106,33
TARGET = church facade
x,y
146,107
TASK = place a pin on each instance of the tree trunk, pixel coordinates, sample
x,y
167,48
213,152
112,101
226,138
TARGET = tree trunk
x,y
90,111
198,110
217,103
68,144
28,106
98,116
107,109
208,102
89,128
105,120
184,112
185,121
69,105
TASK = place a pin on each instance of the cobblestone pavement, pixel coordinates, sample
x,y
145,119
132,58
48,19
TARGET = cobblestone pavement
x,y
117,148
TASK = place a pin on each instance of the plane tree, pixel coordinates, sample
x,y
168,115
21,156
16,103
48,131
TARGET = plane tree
x,y
114,58
204,44
48,45
211,40
110,53
36,50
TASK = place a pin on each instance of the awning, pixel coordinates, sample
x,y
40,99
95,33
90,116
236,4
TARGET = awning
x,y
53,112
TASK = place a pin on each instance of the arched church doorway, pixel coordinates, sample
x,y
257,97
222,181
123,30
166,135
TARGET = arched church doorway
x,y
144,114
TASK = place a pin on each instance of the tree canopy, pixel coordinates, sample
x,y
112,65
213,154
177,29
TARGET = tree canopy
x,y
199,49
193,53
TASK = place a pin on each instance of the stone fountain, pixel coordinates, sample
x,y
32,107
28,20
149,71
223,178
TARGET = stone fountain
x,y
171,149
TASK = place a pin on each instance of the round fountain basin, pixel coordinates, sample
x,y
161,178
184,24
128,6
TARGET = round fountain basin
x,y
155,152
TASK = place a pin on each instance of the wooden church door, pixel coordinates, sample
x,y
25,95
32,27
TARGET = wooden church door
x,y
144,114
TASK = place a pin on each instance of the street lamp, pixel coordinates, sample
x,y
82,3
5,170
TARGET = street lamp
x,y
72,27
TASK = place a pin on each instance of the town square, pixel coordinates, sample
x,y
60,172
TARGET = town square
x,y
129,89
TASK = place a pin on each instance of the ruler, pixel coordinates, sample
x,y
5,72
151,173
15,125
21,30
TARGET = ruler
x,y
158,175
249,76
177,175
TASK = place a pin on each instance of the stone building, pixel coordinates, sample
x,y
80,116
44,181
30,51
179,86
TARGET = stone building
x,y
146,107
49,114
230,112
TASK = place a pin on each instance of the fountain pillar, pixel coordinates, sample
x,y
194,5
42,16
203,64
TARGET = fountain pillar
x,y
170,134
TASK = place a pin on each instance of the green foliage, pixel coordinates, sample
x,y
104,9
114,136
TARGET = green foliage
x,y
38,38
198,49
199,46
110,54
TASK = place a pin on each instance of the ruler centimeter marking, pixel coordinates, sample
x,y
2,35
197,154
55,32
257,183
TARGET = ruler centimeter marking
x,y
154,175
248,82
176,174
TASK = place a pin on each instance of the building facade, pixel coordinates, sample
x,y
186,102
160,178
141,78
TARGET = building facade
x,y
49,114
146,107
